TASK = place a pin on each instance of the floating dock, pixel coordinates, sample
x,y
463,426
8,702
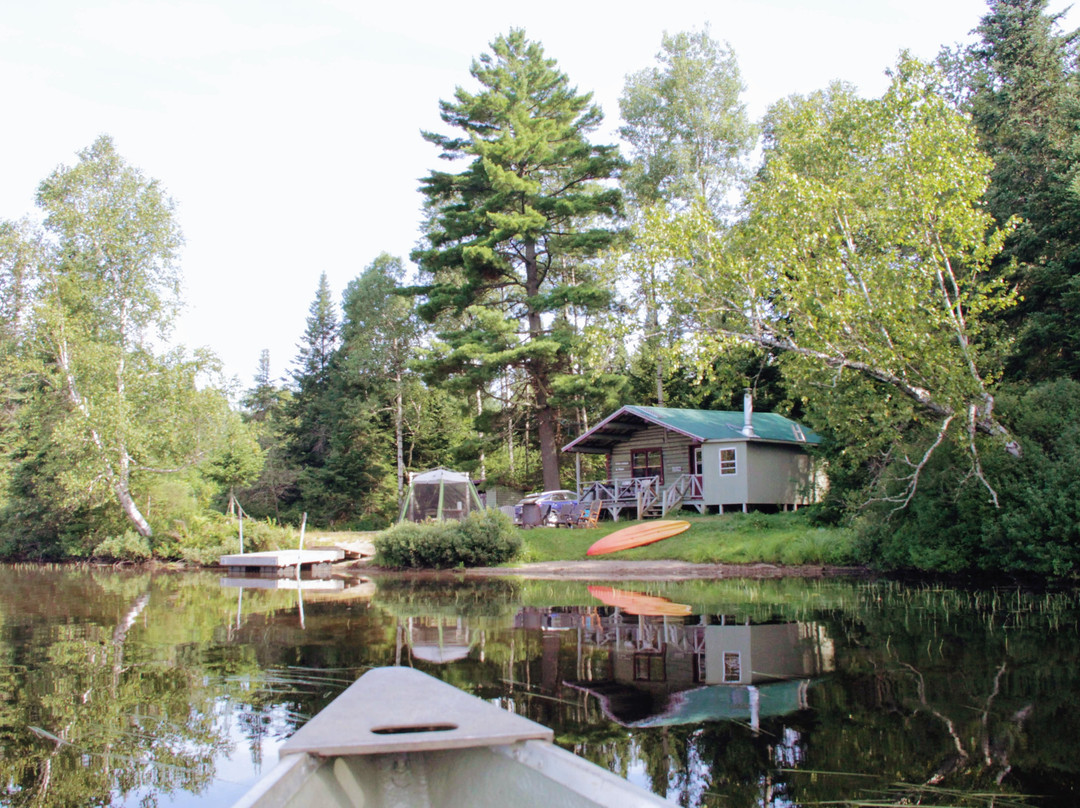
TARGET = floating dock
x,y
280,561
286,582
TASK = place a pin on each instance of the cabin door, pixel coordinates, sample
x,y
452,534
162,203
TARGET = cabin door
x,y
695,459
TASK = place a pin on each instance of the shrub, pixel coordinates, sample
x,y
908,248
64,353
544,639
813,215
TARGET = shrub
x,y
204,538
483,539
129,546
952,526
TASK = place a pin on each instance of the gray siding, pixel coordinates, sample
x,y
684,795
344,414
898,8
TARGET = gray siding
x,y
766,474
728,489
780,474
675,448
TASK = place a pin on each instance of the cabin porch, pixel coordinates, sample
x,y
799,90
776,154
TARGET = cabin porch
x,y
647,497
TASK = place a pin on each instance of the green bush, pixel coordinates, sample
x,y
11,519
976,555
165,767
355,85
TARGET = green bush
x,y
204,538
483,539
129,546
951,525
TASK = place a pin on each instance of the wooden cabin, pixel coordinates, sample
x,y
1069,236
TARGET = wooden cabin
x,y
660,459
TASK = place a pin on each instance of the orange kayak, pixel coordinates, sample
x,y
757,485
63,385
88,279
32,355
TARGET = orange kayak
x,y
639,603
637,535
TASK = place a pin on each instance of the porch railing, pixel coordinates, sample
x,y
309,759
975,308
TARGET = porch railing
x,y
686,488
643,493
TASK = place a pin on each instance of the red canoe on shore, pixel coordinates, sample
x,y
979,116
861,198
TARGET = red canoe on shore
x,y
637,535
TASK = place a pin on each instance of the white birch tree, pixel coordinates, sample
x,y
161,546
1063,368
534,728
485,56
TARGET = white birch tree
x,y
106,286
865,250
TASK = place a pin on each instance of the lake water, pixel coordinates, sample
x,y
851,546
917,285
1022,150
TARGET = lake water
x,y
175,689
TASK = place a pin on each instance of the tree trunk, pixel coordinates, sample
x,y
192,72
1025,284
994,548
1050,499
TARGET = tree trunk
x,y
127,502
509,426
545,415
652,334
483,454
399,440
545,432
118,479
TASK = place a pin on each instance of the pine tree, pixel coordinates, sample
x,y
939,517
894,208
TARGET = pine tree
x,y
1025,103
262,399
265,406
510,236
316,352
311,411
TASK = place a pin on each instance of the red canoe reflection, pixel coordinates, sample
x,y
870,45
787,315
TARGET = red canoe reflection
x,y
639,603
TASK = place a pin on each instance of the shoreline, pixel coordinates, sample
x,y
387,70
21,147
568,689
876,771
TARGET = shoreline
x,y
613,570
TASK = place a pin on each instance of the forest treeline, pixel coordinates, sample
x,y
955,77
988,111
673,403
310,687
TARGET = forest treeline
x,y
902,273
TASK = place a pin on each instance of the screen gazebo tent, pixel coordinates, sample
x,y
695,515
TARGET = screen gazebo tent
x,y
440,494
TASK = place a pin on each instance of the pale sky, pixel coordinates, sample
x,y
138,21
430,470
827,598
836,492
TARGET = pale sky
x,y
288,132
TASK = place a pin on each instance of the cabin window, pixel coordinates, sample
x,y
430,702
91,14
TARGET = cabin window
x,y
732,667
649,668
727,462
647,463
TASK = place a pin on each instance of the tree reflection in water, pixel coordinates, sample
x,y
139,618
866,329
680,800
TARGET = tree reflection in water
x,y
87,713
129,688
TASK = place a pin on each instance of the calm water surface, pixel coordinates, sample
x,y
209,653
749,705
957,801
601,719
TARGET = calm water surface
x,y
177,688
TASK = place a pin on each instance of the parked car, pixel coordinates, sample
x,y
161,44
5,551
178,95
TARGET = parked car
x,y
549,503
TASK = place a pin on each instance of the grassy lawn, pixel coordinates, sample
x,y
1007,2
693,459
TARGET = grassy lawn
x,y
782,538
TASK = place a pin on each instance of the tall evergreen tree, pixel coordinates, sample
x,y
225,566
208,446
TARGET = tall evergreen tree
x,y
510,235
310,408
1025,103
265,407
311,413
265,397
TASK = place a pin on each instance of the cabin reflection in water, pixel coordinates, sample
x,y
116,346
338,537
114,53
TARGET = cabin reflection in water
x,y
662,671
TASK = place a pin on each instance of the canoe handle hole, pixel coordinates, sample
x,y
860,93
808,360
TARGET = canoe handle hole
x,y
414,728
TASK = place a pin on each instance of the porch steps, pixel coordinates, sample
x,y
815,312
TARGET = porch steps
x,y
653,509
673,504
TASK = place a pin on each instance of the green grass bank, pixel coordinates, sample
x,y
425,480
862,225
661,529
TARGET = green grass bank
x,y
736,538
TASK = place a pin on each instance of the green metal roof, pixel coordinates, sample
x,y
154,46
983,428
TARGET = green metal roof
x,y
702,425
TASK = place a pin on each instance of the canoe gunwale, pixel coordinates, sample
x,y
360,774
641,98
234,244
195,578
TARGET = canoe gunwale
x,y
585,780
281,783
